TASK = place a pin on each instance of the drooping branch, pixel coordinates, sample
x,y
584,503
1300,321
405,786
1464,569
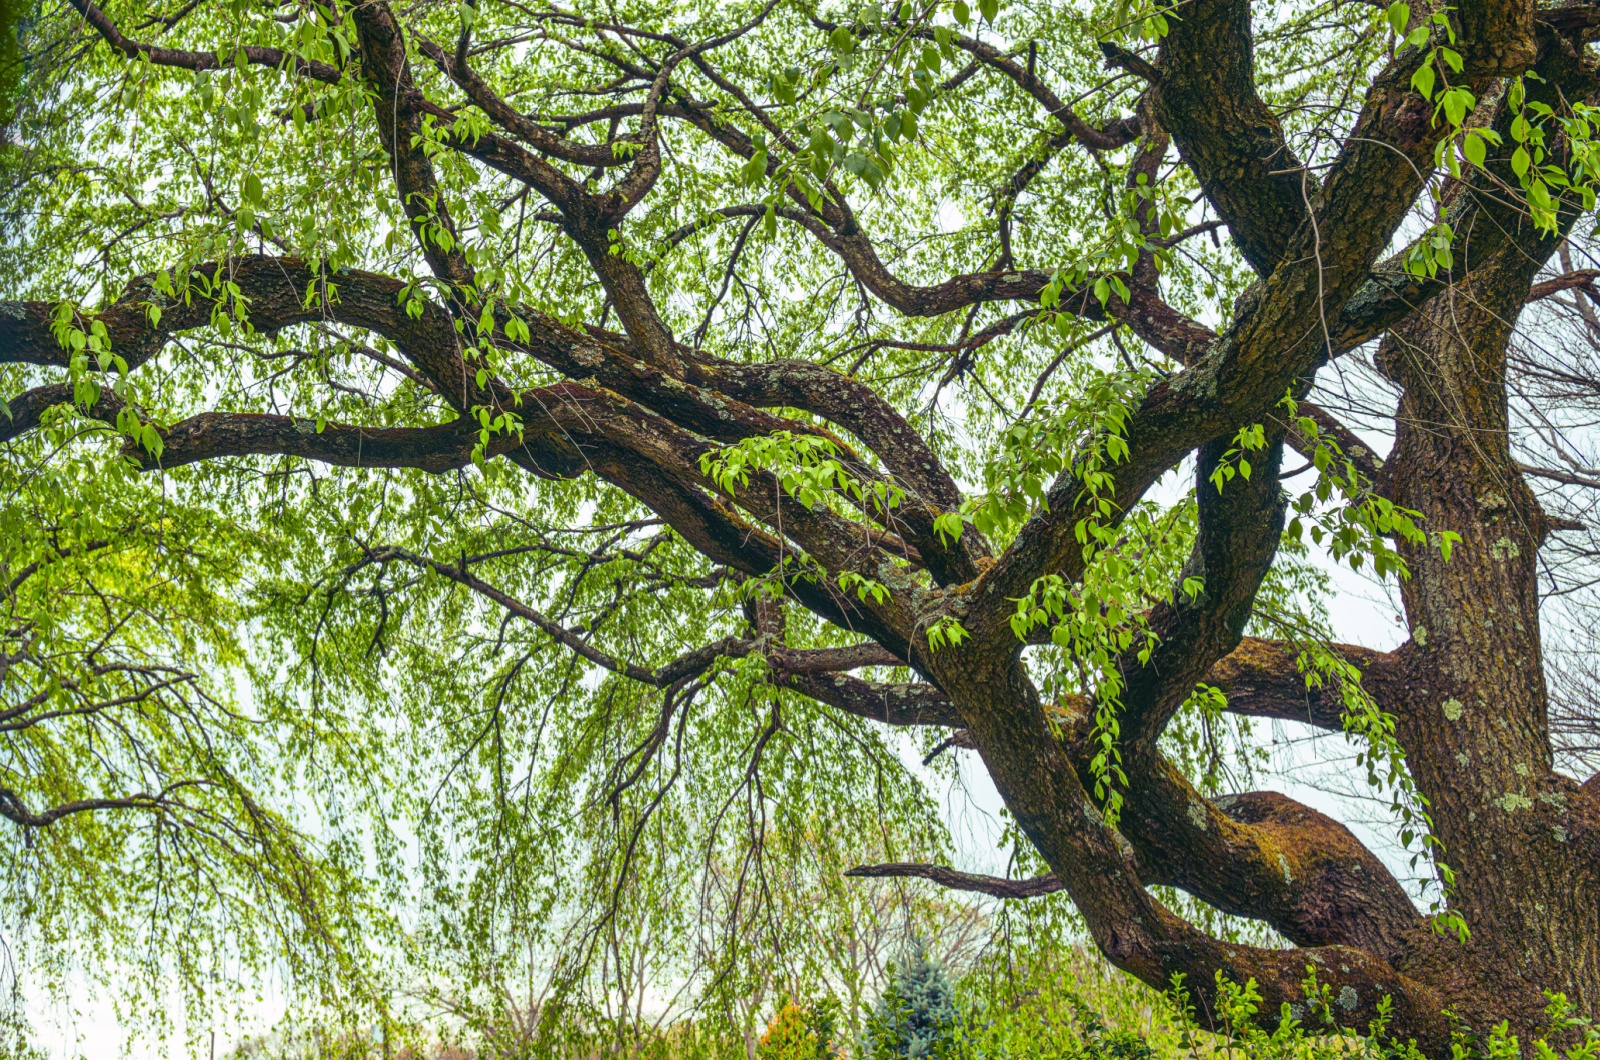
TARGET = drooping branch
x,y
955,880
553,418
814,673
565,430
15,810
689,665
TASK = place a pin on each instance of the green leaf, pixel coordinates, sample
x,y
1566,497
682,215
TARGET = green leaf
x,y
1423,81
1456,103
1398,17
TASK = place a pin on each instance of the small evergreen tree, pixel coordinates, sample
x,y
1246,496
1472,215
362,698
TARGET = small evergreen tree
x,y
917,1012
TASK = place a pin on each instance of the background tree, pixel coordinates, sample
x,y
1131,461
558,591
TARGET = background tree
x,y
535,426
916,1015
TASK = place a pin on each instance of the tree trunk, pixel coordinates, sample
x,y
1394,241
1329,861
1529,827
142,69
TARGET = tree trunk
x,y
1474,717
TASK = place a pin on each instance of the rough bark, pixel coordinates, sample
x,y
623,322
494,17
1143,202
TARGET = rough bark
x,y
1520,837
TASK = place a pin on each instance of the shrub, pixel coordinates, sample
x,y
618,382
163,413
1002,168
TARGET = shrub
x,y
916,1016
800,1032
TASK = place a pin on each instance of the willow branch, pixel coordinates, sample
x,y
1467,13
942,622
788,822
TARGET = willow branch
x,y
955,880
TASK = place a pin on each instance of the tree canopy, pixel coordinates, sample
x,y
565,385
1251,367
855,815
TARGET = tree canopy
x,y
544,468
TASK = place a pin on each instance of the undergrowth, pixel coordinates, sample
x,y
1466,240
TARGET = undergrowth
x,y
1067,1005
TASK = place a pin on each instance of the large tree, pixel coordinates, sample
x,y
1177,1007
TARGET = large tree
x,y
866,339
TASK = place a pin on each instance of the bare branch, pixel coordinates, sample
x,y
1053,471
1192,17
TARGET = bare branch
x,y
955,880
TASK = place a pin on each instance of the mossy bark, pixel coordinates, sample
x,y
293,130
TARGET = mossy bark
x,y
1520,837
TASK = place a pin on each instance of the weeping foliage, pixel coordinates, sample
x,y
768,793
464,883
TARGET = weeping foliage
x,y
253,721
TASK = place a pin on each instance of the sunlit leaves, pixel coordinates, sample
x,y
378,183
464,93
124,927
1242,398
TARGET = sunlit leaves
x,y
948,526
1537,171
1432,252
807,466
945,632
1398,17
1236,460
1084,436
1103,619
864,587
1355,522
